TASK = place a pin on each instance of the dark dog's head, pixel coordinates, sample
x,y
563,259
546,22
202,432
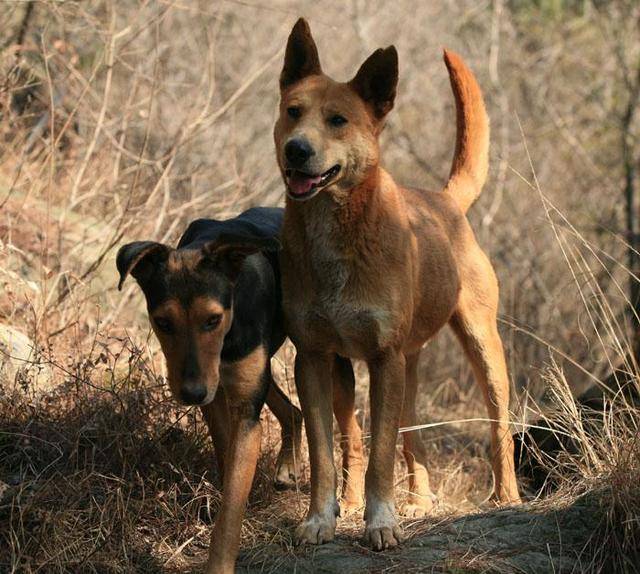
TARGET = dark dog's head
x,y
189,295
327,133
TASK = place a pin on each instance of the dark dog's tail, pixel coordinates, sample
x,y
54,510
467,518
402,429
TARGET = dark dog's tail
x,y
471,158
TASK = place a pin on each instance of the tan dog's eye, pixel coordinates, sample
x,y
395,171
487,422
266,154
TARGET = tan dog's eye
x,y
336,120
165,325
212,322
294,112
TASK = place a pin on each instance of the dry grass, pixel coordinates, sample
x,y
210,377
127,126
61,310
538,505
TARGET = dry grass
x,y
124,120
106,474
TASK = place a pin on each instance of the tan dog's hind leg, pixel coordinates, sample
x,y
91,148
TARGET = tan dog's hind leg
x,y
240,463
386,390
216,415
475,324
315,392
344,384
290,419
421,500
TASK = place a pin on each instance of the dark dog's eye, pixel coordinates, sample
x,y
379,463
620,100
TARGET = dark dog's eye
x,y
336,120
164,324
212,323
294,112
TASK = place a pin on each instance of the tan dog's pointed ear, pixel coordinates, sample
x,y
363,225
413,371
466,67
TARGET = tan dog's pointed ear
x,y
377,80
138,259
301,57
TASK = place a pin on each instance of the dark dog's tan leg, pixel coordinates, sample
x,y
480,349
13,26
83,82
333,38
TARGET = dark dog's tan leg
x,y
216,415
315,392
241,460
344,385
421,500
245,383
386,390
290,419
475,324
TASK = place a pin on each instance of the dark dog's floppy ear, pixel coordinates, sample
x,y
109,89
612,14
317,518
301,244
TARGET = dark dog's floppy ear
x,y
301,57
138,259
228,252
377,79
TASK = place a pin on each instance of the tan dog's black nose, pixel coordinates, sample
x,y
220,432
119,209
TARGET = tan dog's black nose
x,y
297,152
193,393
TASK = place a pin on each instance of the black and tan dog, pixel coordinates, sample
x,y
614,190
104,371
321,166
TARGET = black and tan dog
x,y
215,306
373,270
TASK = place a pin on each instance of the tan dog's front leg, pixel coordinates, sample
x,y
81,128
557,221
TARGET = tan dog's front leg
x,y
240,467
313,381
387,373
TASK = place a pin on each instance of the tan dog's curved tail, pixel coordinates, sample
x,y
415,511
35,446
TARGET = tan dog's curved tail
x,y
471,158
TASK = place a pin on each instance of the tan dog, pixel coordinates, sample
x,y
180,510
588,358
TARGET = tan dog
x,y
372,270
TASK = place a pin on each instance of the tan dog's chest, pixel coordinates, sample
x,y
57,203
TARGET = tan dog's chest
x,y
341,326
334,302
396,289
325,308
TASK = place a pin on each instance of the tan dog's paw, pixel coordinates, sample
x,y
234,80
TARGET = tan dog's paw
x,y
352,494
382,530
218,564
317,528
217,569
348,507
286,475
506,500
383,537
419,506
506,494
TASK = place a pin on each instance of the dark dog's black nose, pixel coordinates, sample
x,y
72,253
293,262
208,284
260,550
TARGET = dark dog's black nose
x,y
298,151
193,393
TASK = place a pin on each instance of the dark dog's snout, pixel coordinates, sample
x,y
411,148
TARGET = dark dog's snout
x,y
297,152
193,393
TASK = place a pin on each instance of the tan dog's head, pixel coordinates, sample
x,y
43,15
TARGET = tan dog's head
x,y
327,133
189,295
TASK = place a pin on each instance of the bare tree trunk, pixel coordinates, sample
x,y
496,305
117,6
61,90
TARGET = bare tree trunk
x,y
22,31
632,215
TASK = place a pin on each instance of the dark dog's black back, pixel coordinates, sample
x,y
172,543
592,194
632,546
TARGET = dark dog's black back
x,y
263,222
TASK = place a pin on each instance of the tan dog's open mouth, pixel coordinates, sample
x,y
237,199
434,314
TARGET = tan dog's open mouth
x,y
301,185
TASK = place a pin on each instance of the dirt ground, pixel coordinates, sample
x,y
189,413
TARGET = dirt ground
x,y
508,540
534,538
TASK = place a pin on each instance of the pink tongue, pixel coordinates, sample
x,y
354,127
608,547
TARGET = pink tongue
x,y
300,184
